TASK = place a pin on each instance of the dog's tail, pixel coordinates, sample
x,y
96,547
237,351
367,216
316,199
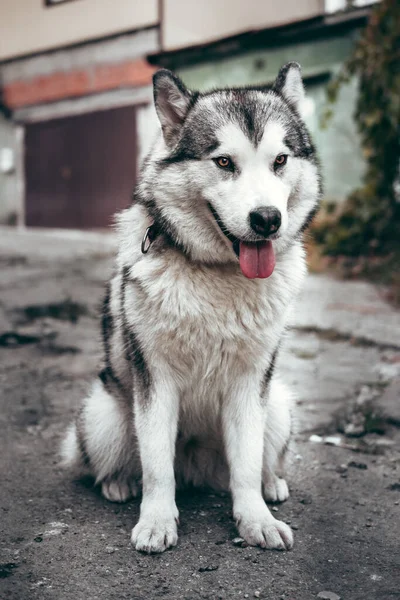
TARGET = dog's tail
x,y
71,455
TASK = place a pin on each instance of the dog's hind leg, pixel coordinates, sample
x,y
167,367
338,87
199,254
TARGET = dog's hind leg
x,y
276,441
101,443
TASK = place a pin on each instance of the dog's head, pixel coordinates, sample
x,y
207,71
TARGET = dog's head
x,y
234,173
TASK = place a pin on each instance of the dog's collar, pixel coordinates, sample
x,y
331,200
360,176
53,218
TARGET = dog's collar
x,y
150,235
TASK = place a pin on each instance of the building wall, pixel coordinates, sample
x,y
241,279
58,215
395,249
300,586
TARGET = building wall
x,y
338,144
192,22
28,26
8,181
96,76
80,71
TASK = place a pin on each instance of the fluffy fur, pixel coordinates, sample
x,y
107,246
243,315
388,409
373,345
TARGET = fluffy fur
x,y
188,393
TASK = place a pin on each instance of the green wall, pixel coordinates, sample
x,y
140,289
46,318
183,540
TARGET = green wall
x,y
338,145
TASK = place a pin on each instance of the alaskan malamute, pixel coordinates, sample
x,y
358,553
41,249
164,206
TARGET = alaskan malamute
x,y
210,260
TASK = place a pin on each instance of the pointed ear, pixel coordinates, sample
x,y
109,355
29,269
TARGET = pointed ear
x,y
172,100
290,85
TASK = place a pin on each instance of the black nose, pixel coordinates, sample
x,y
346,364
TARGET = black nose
x,y
265,220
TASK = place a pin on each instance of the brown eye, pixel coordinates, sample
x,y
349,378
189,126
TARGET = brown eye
x,y
280,160
224,162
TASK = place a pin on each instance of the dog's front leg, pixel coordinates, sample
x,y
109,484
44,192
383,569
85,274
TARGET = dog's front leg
x,y
156,420
243,426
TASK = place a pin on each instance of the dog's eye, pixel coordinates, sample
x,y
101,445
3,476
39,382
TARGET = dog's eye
x,y
224,163
280,160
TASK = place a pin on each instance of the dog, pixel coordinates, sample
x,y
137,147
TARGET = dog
x,y
209,264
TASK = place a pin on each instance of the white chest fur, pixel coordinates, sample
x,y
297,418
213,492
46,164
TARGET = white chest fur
x,y
201,319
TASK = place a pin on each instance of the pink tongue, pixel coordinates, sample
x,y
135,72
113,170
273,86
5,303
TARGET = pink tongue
x,y
256,259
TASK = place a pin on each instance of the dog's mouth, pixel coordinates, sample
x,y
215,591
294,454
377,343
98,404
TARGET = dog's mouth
x,y
256,259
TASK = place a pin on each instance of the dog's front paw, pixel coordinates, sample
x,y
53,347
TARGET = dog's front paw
x,y
276,490
155,534
265,531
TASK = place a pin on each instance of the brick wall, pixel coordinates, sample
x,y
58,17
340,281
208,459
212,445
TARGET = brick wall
x,y
80,82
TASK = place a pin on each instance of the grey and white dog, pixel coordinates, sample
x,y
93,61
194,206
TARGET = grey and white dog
x,y
210,261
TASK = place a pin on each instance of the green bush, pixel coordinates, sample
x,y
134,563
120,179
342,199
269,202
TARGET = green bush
x,y
369,220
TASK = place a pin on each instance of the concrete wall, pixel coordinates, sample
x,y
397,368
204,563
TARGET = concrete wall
x,y
9,204
28,26
34,74
192,22
79,71
338,145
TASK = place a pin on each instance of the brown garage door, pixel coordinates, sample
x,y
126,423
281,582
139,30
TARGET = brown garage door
x,y
80,170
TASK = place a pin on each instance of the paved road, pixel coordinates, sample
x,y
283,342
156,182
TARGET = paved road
x,y
60,540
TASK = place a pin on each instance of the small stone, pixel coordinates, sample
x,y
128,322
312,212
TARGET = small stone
x,y
238,541
341,469
275,508
333,440
295,527
110,549
354,429
328,596
208,568
384,442
257,594
315,439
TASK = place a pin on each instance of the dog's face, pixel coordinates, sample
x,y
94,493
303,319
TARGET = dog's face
x,y
235,174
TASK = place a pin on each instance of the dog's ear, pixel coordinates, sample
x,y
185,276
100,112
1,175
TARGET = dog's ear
x,y
290,85
172,101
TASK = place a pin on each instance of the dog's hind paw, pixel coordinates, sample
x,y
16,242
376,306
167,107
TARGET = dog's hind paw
x,y
276,490
154,535
119,491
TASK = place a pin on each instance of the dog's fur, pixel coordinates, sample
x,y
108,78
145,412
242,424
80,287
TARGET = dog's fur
x,y
188,393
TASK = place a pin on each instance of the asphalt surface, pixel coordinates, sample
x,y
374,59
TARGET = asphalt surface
x,y
60,540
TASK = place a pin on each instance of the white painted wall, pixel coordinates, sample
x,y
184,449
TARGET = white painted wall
x,y
192,22
28,26
332,6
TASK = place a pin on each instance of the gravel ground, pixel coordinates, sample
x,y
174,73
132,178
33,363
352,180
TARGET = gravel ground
x,y
60,540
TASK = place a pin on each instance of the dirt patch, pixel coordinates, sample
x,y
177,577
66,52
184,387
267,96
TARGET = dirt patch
x,y
13,261
332,335
12,339
68,310
6,569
